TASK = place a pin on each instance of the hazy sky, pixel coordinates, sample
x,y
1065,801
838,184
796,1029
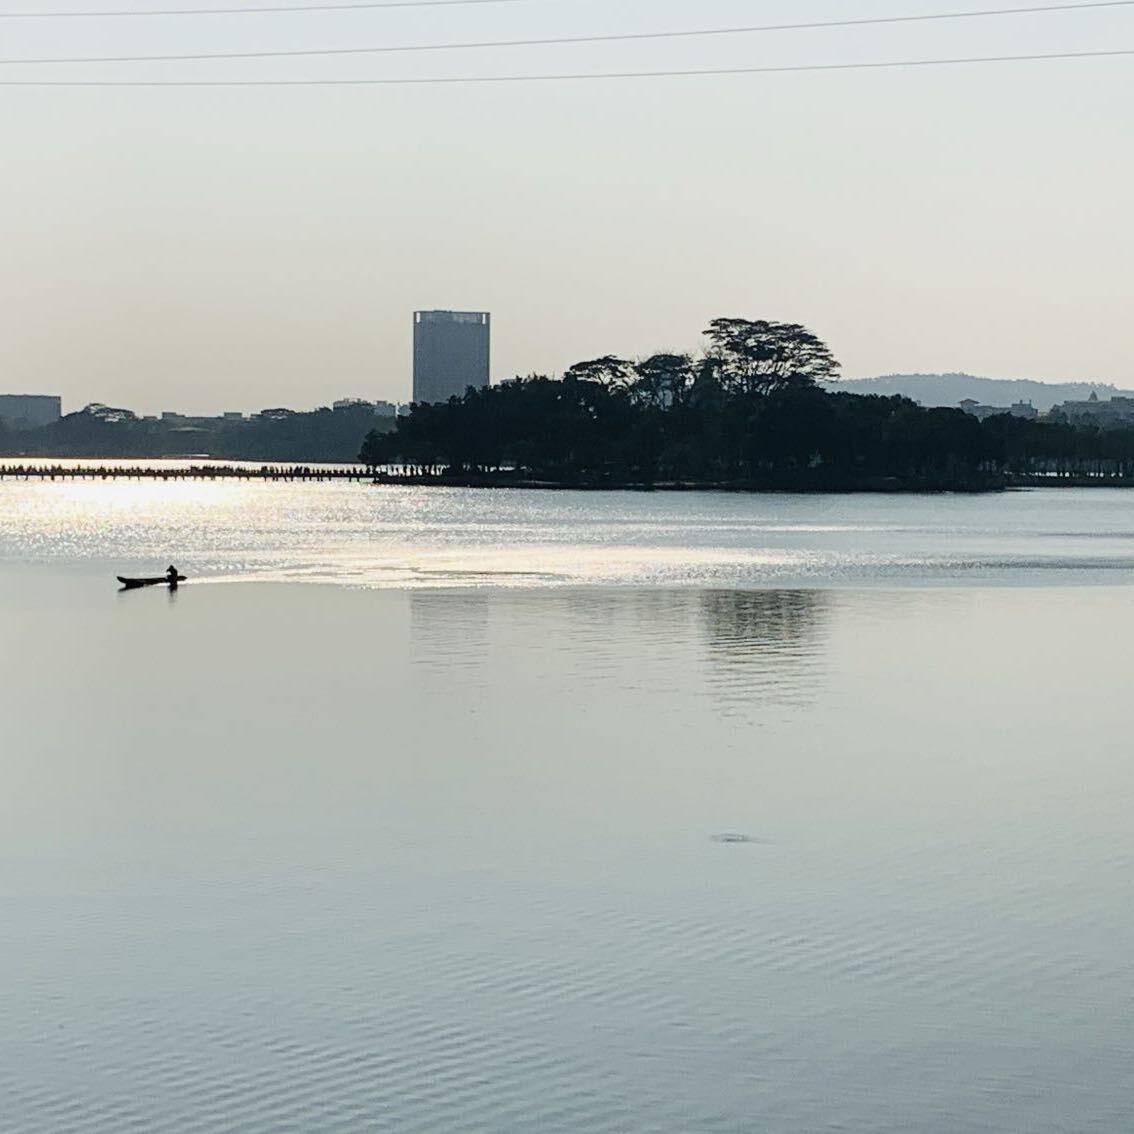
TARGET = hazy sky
x,y
213,249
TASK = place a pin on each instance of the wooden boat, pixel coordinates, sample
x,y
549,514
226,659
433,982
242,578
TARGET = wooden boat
x,y
152,581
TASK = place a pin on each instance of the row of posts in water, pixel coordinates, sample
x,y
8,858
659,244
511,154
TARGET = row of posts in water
x,y
188,472
1040,473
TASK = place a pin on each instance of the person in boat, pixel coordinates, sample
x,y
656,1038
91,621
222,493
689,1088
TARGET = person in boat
x,y
171,575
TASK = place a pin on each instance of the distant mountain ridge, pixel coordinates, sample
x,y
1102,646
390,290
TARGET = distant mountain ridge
x,y
950,389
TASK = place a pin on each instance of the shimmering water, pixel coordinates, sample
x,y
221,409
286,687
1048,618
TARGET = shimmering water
x,y
833,850
413,537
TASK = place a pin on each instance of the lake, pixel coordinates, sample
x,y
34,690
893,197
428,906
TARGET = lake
x,y
432,810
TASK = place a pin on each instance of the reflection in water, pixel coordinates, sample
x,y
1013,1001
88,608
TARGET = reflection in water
x,y
761,647
735,838
765,645
443,861
449,625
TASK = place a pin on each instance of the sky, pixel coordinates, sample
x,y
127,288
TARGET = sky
x,y
209,249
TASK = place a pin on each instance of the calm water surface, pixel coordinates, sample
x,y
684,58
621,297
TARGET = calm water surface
x,y
610,813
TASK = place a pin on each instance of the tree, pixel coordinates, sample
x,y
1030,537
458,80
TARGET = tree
x,y
662,381
760,357
609,371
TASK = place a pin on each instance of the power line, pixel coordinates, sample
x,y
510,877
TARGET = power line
x,y
452,80
257,10
623,37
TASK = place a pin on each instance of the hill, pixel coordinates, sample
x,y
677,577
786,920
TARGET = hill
x,y
950,389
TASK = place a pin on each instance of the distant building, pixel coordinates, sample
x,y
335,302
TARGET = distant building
x,y
379,408
174,420
1023,409
451,352
1017,409
1107,414
29,411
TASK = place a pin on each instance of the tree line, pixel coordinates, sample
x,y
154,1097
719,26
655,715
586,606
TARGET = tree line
x,y
757,408
97,431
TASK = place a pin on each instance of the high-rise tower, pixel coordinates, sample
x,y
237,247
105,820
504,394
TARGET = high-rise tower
x,y
450,353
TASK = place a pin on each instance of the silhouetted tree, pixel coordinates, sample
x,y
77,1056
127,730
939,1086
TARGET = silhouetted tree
x,y
614,373
759,357
662,381
749,412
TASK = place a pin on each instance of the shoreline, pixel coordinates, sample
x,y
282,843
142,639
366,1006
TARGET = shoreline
x,y
172,468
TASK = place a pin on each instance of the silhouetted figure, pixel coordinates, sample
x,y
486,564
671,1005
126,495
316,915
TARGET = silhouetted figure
x,y
171,575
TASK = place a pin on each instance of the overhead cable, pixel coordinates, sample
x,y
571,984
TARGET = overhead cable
x,y
452,80
255,10
621,37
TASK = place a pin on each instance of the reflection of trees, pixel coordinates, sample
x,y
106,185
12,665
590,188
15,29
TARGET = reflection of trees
x,y
759,646
765,645
449,625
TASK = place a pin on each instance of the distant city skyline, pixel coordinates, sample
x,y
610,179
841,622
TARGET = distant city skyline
x,y
185,399
226,248
946,389
951,390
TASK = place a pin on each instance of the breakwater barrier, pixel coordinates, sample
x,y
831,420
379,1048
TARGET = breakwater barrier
x,y
1108,475
272,472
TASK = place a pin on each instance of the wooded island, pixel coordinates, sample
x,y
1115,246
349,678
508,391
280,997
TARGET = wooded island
x,y
758,409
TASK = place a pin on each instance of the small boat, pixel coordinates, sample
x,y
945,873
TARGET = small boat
x,y
151,581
